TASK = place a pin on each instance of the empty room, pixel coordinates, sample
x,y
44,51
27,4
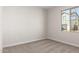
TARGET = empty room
x,y
40,29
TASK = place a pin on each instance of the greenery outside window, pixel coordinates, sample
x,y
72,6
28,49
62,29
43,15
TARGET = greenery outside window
x,y
70,19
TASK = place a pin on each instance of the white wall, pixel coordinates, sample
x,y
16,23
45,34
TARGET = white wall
x,y
22,24
0,29
26,24
54,28
46,21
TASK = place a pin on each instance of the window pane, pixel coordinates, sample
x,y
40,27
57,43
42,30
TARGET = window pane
x,y
66,20
70,19
75,19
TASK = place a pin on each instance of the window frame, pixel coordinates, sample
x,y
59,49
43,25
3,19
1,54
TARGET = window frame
x,y
69,17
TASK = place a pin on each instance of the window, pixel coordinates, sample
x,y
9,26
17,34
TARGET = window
x,y
70,20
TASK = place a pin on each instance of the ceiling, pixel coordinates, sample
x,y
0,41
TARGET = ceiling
x,y
46,7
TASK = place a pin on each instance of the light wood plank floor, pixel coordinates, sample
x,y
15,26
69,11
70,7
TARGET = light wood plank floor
x,y
42,46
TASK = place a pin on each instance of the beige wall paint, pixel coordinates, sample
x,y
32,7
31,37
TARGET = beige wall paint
x,y
22,24
54,27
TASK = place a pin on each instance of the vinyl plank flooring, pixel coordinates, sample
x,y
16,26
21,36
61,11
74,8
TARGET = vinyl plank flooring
x,y
42,46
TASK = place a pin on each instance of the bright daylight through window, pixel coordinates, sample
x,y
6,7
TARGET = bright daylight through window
x,y
70,20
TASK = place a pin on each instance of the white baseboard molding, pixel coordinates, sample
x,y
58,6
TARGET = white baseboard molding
x,y
21,43
65,42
